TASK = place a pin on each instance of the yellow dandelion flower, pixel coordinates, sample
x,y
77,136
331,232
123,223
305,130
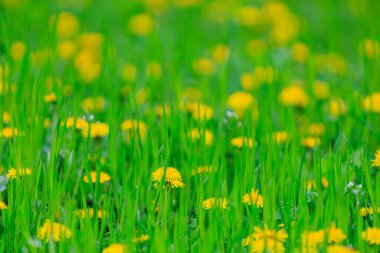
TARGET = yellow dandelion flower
x,y
335,234
337,107
173,177
200,111
267,239
311,142
18,50
9,132
90,41
203,66
66,49
202,169
371,103
249,16
321,90
300,52
316,129
3,206
53,230
240,142
129,72
293,95
6,117
253,198
372,236
215,203
50,98
83,213
220,53
96,130
67,25
310,239
103,177
240,101
369,48
141,239
280,137
79,123
340,249
115,248
13,173
141,24
134,126
376,161
324,182
196,135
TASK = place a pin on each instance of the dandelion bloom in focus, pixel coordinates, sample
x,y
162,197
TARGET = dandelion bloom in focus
x,y
266,240
13,173
115,248
173,178
103,177
253,198
215,203
376,161
53,230
240,142
97,130
372,236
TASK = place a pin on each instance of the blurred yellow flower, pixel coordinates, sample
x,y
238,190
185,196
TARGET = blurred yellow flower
x,y
249,16
372,236
13,173
9,132
50,98
3,206
220,53
115,248
280,137
94,104
154,70
133,126
311,142
141,24
215,203
18,50
198,135
300,52
80,123
141,239
240,102
66,49
90,41
202,169
293,95
253,198
266,240
103,177
260,75
66,25
369,48
321,90
173,178
55,231
96,130
6,117
240,142
337,107
340,249
83,213
316,129
129,72
203,66
200,111
371,103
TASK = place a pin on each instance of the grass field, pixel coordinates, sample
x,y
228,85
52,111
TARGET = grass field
x,y
189,126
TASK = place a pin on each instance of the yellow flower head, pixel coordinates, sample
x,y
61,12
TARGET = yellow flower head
x,y
115,248
9,132
141,24
215,203
129,72
371,103
321,90
202,169
53,230
141,239
280,137
66,49
372,236
300,52
50,98
67,25
203,66
197,134
376,161
267,239
316,129
80,123
97,130
293,95
103,177
83,213
220,53
3,206
253,198
13,173
337,107
340,249
200,111
173,178
18,50
311,142
239,142
369,48
134,126
240,101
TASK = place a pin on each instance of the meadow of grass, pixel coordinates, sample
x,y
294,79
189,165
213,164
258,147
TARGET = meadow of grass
x,y
189,126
